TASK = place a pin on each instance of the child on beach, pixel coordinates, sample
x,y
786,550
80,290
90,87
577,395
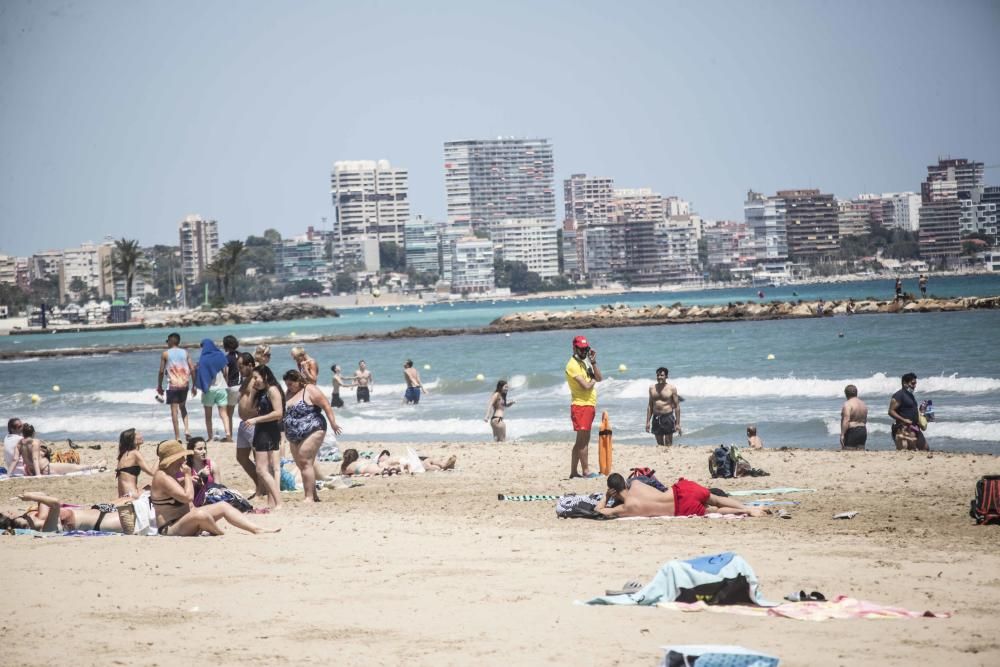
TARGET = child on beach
x,y
753,440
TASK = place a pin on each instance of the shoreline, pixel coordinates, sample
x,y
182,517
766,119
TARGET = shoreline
x,y
602,317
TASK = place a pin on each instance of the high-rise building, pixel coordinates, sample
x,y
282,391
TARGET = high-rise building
x,y
472,265
46,264
900,210
423,245
811,224
301,258
676,239
532,241
371,201
765,216
199,246
638,211
91,263
491,180
8,270
943,196
853,218
588,200
723,244
990,213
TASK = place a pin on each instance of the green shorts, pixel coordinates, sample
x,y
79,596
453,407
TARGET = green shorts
x,y
219,396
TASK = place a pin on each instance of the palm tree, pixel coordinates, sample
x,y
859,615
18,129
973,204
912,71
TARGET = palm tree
x,y
229,258
125,262
216,270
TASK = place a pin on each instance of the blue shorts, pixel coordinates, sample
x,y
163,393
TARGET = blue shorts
x,y
412,395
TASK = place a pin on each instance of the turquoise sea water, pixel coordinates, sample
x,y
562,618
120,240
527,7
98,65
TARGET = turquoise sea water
x,y
721,370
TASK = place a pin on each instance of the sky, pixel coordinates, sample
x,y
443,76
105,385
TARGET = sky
x,y
118,118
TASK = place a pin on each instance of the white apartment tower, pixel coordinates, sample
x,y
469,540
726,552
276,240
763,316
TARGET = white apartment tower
x,y
491,180
199,246
765,216
532,241
371,203
91,263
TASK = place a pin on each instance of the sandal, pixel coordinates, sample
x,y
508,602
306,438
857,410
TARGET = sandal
x,y
627,588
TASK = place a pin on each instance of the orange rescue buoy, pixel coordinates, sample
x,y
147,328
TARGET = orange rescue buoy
x,y
604,444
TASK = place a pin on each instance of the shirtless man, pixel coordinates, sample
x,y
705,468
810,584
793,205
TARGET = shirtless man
x,y
247,409
413,385
364,381
853,420
176,364
685,499
663,409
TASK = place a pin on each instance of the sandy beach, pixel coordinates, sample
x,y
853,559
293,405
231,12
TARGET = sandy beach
x,y
433,569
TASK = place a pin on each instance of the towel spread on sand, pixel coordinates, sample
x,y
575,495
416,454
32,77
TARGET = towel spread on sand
x,y
840,607
770,503
711,515
768,492
64,533
525,498
94,471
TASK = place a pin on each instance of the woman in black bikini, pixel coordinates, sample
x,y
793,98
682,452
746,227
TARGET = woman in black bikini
x,y
130,463
494,411
270,402
173,501
50,516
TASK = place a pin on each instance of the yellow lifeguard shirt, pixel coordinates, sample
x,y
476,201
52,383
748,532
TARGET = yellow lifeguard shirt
x,y
581,396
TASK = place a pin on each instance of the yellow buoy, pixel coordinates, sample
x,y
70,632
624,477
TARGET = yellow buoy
x,y
622,368
480,377
770,356
55,387
35,398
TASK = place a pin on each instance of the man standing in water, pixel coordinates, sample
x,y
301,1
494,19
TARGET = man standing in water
x,y
413,385
922,283
364,381
853,420
179,369
663,412
903,408
582,376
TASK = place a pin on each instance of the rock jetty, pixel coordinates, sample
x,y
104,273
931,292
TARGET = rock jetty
x,y
621,315
268,312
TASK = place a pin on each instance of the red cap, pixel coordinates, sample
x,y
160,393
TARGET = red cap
x,y
580,342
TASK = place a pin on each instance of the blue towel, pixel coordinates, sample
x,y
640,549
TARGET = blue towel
x,y
211,361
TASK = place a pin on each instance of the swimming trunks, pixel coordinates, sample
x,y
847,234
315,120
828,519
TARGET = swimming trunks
x,y
244,436
689,498
302,420
412,395
218,396
336,401
177,396
663,424
582,416
855,437
365,396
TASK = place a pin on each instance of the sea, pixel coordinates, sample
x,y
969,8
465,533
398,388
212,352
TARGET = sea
x,y
785,376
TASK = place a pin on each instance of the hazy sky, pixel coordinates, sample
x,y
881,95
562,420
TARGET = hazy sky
x,y
119,118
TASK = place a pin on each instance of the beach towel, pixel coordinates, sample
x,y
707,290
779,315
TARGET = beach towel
x,y
769,492
525,498
715,655
710,515
78,473
64,533
724,579
841,607
211,361
579,506
145,517
413,459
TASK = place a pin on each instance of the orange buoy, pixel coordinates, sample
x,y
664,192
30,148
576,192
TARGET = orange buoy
x,y
604,444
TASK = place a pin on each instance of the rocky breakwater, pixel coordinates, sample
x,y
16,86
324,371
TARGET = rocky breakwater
x,y
268,312
620,315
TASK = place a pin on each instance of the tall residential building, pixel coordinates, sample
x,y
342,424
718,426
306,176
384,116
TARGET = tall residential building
x,y
472,266
8,270
967,175
588,200
676,206
301,258
91,263
853,218
723,243
990,220
46,264
448,234
423,245
901,210
490,180
199,246
951,192
765,216
677,241
532,241
811,224
637,212
371,202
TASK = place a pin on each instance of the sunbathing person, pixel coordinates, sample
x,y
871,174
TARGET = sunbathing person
x,y
35,455
130,463
353,464
385,458
49,516
173,500
685,499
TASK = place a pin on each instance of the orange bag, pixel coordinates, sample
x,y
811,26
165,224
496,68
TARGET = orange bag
x,y
604,444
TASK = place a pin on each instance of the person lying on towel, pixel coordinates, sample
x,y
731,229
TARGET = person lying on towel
x,y
685,498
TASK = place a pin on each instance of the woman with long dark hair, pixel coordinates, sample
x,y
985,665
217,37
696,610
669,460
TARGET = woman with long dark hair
x,y
495,410
270,402
130,463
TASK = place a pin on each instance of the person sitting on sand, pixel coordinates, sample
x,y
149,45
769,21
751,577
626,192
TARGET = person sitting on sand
x,y
49,516
35,455
130,463
753,440
173,500
386,459
353,464
686,498
204,471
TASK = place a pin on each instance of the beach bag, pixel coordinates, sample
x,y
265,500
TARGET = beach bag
x,y
723,461
647,476
985,507
218,493
579,506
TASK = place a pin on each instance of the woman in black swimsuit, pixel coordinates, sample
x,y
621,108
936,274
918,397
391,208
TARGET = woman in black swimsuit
x,y
50,516
270,402
494,411
130,463
173,502
305,427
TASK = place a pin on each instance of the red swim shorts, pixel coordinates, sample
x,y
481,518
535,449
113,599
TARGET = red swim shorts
x,y
582,416
689,498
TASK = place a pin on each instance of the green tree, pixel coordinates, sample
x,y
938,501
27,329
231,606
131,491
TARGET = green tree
x,y
344,283
229,258
125,258
392,256
303,286
215,271
272,235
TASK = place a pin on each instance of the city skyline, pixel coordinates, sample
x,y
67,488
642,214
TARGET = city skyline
x,y
100,145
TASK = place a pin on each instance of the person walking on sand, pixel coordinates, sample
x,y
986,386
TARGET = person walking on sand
x,y
231,345
210,378
903,408
413,385
663,410
364,381
308,367
853,420
176,364
495,411
582,376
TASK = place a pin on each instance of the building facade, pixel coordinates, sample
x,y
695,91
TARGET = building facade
x,y
532,241
472,266
46,265
588,200
491,180
765,217
423,246
371,202
301,258
811,224
949,183
853,218
199,245
91,263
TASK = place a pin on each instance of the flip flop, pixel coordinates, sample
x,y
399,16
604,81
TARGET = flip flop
x,y
627,588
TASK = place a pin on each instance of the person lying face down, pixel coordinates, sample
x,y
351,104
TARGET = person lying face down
x,y
685,498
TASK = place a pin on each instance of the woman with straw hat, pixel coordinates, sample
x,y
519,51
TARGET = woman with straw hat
x,y
173,501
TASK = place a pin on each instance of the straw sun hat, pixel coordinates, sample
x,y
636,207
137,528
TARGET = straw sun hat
x,y
169,451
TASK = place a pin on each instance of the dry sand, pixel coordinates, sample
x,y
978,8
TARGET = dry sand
x,y
433,569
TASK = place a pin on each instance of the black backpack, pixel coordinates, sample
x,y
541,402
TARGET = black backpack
x,y
986,505
723,461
